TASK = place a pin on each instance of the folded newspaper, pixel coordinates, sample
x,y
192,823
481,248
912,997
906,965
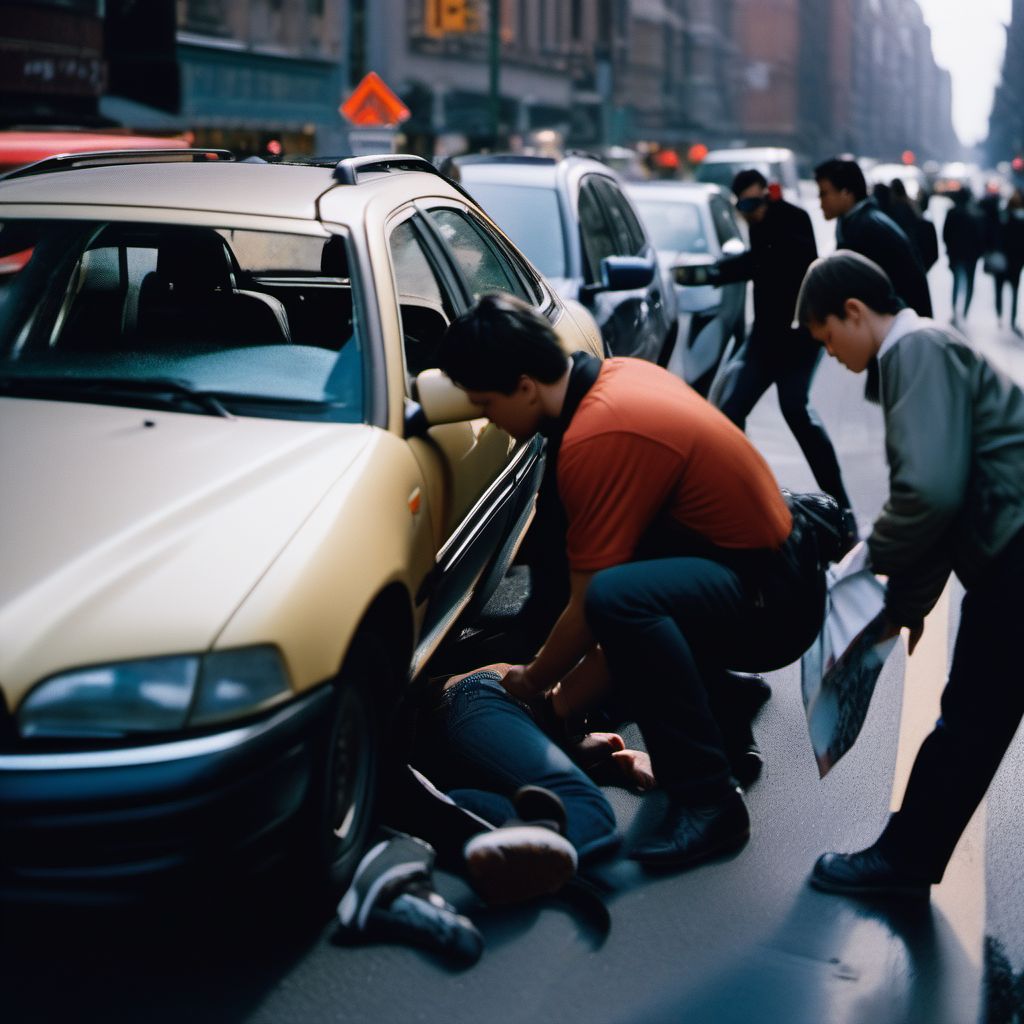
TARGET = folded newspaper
x,y
839,671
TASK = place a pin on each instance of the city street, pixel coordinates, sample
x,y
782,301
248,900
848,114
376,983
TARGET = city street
x,y
740,940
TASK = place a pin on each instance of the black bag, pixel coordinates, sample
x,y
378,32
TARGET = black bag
x,y
820,516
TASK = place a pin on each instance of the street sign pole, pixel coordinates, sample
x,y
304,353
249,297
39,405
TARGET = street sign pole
x,y
494,32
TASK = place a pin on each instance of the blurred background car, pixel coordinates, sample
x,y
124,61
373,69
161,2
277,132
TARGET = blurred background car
x,y
913,178
693,224
776,163
571,217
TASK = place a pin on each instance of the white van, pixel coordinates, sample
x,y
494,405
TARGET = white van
x,y
778,165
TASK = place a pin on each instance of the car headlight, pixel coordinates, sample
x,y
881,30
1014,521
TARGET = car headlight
x,y
155,694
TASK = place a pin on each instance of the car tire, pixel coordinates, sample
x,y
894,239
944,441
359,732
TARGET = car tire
x,y
343,798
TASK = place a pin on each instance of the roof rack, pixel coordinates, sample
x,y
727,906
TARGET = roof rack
x,y
348,171
112,157
505,158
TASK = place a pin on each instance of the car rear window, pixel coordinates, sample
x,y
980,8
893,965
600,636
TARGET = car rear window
x,y
530,216
258,323
673,226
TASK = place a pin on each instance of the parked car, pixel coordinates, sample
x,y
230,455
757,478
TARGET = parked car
x,y
241,506
694,225
776,163
572,218
913,178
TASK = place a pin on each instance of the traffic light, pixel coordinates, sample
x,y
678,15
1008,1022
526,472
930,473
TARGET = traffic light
x,y
450,16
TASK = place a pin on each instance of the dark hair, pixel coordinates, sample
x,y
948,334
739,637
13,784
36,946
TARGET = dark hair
x,y
744,179
844,174
831,280
496,342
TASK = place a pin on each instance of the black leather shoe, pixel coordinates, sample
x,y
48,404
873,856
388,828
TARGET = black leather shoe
x,y
866,873
746,763
691,834
747,692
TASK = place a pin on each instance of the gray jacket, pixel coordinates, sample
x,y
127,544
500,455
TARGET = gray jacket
x,y
954,438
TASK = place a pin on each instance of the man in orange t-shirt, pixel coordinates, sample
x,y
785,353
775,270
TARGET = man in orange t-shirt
x,y
682,556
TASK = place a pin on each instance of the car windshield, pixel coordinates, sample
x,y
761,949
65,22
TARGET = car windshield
x,y
529,215
673,225
218,321
722,172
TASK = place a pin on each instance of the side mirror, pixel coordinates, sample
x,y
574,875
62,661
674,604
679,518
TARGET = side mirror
x,y
439,401
626,273
698,270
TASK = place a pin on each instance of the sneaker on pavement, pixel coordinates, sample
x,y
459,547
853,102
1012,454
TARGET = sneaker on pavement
x,y
392,897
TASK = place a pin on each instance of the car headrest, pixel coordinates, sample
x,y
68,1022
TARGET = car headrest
x,y
195,260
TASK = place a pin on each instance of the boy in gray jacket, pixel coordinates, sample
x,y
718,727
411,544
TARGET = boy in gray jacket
x,y
954,434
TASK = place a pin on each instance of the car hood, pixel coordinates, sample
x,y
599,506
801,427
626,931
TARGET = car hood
x,y
130,534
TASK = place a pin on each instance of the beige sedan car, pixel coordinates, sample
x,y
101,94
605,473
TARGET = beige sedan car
x,y
241,508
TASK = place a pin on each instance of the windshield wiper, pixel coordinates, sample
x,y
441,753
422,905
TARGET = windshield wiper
x,y
171,390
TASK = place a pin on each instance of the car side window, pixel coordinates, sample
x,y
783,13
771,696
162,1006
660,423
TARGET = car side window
x,y
725,223
423,302
480,259
630,239
595,231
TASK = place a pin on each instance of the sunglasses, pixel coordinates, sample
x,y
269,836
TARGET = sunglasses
x,y
751,203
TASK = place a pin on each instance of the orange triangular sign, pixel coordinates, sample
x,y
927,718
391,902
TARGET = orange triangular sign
x,y
373,105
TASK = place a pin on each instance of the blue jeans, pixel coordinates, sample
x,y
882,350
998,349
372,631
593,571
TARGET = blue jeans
x,y
480,745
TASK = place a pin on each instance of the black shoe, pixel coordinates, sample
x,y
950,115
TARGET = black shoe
x,y
746,763
691,834
391,897
867,873
747,692
516,863
536,805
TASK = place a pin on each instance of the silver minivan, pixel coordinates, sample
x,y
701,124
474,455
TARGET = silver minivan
x,y
777,164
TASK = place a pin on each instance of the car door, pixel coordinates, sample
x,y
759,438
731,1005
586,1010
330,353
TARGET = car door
x,y
732,310
475,475
627,318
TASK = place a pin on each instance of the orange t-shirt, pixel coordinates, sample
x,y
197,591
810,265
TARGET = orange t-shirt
x,y
642,446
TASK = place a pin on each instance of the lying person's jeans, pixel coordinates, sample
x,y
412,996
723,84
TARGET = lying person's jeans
x,y
480,745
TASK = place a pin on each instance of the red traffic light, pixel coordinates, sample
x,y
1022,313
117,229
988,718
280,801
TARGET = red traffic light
x,y
1017,164
908,156
696,152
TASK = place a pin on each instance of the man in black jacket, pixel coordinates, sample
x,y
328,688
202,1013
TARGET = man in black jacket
x,y
863,227
781,249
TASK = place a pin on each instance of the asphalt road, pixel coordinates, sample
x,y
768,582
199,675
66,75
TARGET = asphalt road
x,y
740,940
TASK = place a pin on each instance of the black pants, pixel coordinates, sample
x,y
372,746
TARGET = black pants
x,y
982,706
787,360
670,627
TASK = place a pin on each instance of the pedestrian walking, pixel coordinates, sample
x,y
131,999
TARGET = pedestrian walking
x,y
864,228
1010,242
964,236
682,553
921,233
782,247
954,431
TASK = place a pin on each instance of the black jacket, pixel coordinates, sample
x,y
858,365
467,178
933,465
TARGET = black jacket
x,y
865,229
965,235
781,249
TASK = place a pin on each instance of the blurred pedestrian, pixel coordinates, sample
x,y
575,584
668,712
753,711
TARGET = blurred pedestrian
x,y
683,557
904,211
782,247
964,236
864,228
954,431
1011,244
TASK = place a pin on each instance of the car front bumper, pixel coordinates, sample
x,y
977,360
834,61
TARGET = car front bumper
x,y
125,823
